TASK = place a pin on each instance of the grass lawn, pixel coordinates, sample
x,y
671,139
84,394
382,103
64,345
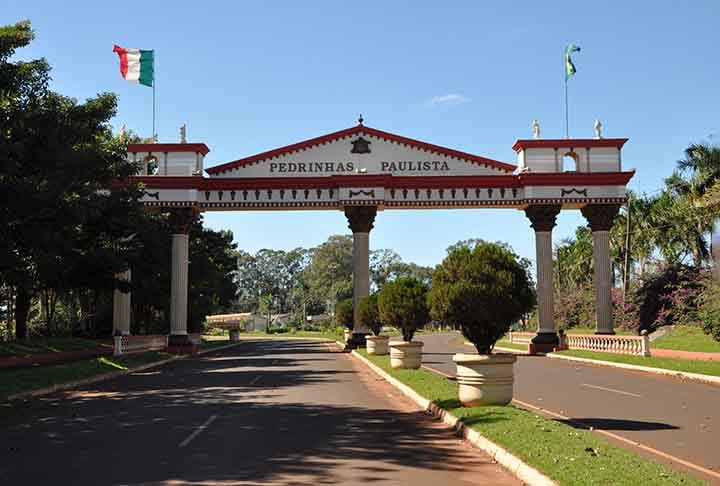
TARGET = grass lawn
x,y
507,344
568,455
27,379
690,366
687,338
47,345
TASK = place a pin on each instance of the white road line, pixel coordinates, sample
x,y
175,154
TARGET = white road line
x,y
254,380
612,390
198,431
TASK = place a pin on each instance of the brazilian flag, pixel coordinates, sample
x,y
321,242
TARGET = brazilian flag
x,y
569,66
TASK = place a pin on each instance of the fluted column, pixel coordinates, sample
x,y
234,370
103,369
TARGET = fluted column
x,y
180,221
121,307
601,218
360,221
542,219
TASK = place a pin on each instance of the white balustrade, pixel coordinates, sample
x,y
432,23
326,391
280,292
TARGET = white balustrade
x,y
635,345
520,337
195,338
137,344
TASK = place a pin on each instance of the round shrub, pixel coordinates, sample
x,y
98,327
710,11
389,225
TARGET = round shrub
x,y
368,314
344,313
482,291
403,304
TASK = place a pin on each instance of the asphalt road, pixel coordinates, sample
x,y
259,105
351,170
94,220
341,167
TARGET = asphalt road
x,y
264,412
678,418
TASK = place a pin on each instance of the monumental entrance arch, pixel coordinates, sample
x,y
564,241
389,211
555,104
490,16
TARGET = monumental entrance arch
x,y
363,170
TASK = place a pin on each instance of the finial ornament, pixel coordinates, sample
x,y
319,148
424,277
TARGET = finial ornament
x,y
360,119
536,129
123,131
598,128
183,133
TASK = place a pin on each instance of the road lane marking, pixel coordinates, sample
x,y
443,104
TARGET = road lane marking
x,y
199,430
254,380
664,455
611,390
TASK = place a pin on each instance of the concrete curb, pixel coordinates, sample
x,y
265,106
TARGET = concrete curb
x,y
514,464
105,376
681,375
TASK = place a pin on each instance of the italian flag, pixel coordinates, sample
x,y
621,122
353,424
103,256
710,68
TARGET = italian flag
x,y
136,65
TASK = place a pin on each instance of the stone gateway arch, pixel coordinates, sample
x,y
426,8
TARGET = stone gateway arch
x,y
363,170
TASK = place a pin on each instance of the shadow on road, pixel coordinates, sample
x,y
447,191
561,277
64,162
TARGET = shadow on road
x,y
616,424
257,436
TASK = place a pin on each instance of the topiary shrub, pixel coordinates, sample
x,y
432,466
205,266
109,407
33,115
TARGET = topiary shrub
x,y
403,304
344,313
368,314
482,291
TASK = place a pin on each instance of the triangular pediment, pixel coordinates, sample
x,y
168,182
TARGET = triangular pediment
x,y
361,150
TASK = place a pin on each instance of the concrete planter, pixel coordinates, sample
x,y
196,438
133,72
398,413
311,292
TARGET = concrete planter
x,y
347,334
234,335
406,355
485,379
377,345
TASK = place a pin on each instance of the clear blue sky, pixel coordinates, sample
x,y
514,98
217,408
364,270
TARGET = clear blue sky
x,y
252,76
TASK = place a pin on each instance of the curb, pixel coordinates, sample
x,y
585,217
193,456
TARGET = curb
x,y
105,376
514,464
681,375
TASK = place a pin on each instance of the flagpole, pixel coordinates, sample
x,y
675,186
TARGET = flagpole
x,y
154,83
567,123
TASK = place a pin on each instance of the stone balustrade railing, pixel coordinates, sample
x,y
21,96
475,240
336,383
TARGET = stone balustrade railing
x,y
636,345
232,321
137,344
195,338
520,337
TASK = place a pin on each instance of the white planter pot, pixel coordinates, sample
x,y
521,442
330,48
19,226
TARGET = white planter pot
x,y
377,345
347,333
485,379
406,355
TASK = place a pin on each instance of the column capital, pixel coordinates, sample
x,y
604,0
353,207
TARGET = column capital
x,y
181,219
360,218
542,216
600,216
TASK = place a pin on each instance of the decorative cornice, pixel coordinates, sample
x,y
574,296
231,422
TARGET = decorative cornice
x,y
157,148
360,218
542,217
568,143
600,217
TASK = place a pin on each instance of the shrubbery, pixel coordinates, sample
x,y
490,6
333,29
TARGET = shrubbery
x,y
403,304
368,314
709,309
482,291
344,313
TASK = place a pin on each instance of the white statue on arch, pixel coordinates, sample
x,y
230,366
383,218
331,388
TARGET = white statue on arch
x,y
183,133
598,128
536,129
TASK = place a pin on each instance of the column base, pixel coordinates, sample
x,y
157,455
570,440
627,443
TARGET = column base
x,y
544,342
181,344
357,340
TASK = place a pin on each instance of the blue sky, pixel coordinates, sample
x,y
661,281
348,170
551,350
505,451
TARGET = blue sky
x,y
251,76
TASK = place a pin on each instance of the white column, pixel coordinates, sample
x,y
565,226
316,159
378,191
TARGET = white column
x,y
602,269
545,291
361,275
179,285
121,307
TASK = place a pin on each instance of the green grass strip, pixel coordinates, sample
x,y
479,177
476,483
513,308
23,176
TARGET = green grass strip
x,y
28,379
568,455
687,338
688,365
